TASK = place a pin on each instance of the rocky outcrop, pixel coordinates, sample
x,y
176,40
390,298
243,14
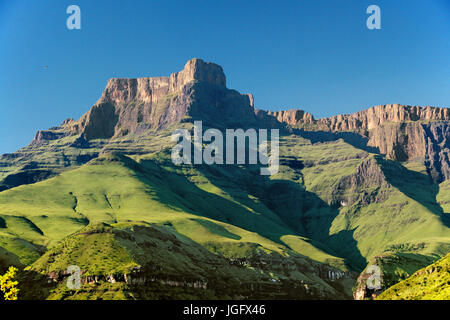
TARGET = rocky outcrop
x,y
132,278
67,122
99,122
151,90
362,291
292,116
47,135
365,186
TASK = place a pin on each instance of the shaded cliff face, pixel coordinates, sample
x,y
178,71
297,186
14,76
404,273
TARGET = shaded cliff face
x,y
437,159
416,140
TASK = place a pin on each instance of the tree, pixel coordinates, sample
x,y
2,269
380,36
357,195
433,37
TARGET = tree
x,y
8,285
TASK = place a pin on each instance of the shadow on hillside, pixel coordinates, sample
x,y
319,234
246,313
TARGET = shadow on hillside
x,y
415,185
317,219
287,199
34,285
178,192
354,139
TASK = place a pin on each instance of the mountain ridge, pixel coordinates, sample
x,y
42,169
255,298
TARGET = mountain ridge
x,y
134,105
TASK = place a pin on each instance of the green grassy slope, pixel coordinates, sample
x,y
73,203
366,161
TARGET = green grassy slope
x,y
331,202
394,267
147,261
361,205
430,283
115,189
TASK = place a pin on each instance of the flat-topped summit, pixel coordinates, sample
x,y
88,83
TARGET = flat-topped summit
x,y
150,89
199,70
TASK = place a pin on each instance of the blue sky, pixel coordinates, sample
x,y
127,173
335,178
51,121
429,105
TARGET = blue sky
x,y
314,55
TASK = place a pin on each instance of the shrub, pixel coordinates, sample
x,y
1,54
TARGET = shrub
x,y
8,285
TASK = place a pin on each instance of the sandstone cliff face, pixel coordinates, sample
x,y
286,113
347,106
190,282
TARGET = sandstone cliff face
x,y
400,132
365,120
151,90
399,141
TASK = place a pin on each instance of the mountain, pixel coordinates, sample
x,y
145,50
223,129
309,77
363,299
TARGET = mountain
x,y
128,111
352,190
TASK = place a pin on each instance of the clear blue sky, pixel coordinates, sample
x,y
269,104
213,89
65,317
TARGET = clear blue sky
x,y
314,55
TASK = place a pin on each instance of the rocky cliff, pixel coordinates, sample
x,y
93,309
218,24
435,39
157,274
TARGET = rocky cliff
x,y
380,115
367,119
400,132
292,116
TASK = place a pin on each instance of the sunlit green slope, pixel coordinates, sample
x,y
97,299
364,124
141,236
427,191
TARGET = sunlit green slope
x,y
430,283
143,261
332,202
361,205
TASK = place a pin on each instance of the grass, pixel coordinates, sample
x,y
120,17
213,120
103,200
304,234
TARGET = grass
x,y
166,262
429,283
319,206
